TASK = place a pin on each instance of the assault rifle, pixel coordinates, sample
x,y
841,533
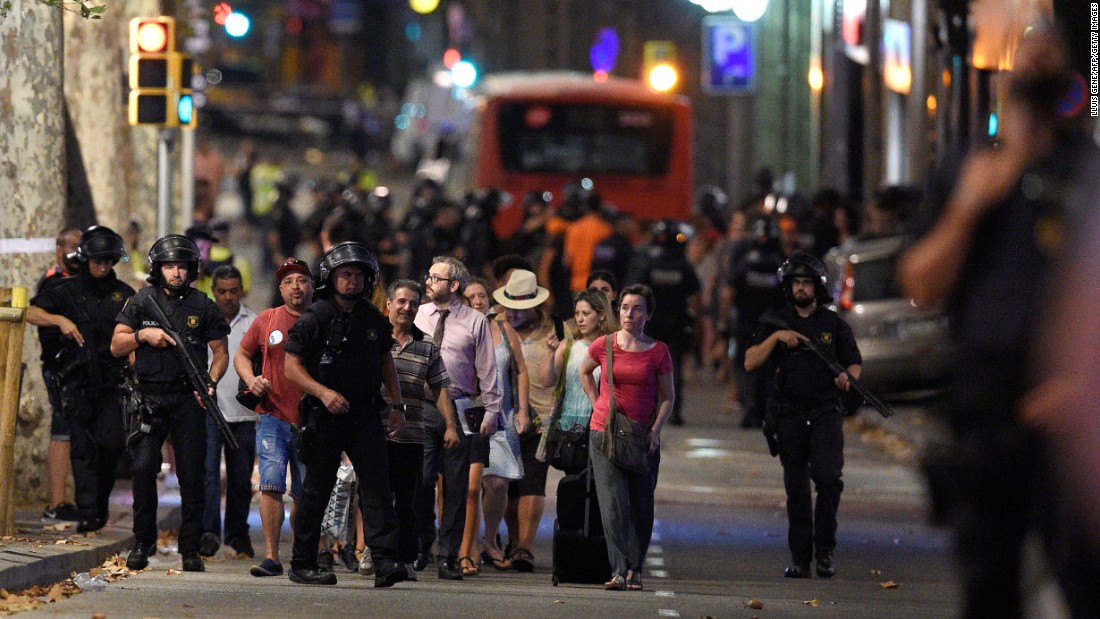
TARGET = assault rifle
x,y
814,345
199,378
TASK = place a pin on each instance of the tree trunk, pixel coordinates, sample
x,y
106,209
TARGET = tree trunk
x,y
32,197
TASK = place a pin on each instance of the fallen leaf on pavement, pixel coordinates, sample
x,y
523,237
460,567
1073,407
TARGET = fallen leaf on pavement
x,y
172,572
754,603
889,584
559,601
61,526
55,594
813,603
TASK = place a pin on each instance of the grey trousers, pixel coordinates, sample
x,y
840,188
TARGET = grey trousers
x,y
626,507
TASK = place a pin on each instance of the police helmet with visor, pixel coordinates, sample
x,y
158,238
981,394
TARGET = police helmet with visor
x,y
348,252
173,248
99,243
802,264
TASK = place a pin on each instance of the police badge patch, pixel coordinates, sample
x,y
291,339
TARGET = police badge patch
x,y
372,334
192,322
827,337
116,296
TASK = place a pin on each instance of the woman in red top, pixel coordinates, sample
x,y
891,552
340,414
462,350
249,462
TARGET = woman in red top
x,y
644,392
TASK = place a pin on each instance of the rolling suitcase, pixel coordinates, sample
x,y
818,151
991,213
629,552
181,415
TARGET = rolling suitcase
x,y
580,549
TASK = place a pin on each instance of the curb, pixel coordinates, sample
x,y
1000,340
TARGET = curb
x,y
25,564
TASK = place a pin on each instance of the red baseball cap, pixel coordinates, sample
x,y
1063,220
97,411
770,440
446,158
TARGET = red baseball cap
x,y
292,265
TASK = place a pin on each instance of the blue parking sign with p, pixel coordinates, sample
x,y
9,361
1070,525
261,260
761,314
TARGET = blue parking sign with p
x,y
730,66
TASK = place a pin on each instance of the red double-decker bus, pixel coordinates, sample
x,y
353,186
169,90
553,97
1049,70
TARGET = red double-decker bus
x,y
543,131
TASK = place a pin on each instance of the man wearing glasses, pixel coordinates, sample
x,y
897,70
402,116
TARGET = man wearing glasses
x,y
466,345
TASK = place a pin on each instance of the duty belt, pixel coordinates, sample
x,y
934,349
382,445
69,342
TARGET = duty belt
x,y
163,388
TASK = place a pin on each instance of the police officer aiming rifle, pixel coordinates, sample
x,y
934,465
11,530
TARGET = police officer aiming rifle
x,y
83,308
173,407
804,414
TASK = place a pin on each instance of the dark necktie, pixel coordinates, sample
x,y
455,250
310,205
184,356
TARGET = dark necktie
x,y
437,337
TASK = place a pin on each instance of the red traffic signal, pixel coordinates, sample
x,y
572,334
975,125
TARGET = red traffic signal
x,y
152,35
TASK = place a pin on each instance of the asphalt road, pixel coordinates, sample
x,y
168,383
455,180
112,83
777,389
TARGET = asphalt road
x,y
719,543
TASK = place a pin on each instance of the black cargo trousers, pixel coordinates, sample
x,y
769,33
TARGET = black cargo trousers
x,y
811,448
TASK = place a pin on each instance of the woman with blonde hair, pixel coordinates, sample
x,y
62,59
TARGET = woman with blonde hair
x,y
591,319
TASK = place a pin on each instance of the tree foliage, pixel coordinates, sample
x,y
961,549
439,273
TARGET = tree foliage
x,y
85,8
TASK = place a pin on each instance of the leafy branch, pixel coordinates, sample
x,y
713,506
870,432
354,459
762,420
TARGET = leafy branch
x,y
84,8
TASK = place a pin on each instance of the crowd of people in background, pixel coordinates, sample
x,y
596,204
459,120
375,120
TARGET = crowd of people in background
x,y
549,292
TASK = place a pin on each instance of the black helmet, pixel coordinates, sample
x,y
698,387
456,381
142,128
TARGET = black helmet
x,y
671,234
173,248
348,252
710,202
802,264
98,243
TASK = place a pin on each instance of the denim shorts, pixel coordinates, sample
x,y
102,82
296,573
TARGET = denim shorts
x,y
276,451
59,424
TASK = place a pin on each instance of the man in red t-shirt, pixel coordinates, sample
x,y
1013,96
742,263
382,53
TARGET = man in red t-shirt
x,y
276,442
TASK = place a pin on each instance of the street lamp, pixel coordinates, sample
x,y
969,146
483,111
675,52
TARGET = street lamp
x,y
749,10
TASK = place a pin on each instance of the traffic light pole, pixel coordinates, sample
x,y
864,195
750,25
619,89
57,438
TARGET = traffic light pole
x,y
187,176
165,138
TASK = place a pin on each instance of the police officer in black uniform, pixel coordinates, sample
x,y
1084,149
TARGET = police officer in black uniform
x,y
83,308
338,354
676,287
804,411
174,408
754,289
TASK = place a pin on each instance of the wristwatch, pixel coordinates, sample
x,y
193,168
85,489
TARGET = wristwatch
x,y
404,408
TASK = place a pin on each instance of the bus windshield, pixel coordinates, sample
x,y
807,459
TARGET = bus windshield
x,y
589,139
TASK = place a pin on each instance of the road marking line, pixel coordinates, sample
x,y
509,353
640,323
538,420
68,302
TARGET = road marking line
x,y
667,612
658,573
666,594
655,561
655,549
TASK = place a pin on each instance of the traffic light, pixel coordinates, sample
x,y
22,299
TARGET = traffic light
x,y
160,77
659,65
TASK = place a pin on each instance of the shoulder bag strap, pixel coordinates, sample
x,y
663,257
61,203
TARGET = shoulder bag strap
x,y
611,412
513,372
559,391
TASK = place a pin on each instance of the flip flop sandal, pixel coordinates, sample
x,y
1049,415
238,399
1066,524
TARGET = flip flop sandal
x,y
500,564
617,583
469,567
523,560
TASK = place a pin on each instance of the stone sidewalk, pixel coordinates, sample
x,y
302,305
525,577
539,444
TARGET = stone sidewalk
x,y
46,551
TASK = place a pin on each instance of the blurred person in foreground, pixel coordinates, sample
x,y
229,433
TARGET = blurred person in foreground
x,y
989,257
644,392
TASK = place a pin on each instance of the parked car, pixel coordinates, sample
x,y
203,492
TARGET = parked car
x,y
904,347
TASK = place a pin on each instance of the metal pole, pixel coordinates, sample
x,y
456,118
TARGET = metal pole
x,y
164,181
187,176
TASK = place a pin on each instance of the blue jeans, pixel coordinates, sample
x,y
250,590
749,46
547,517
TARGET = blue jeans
x,y
626,507
238,480
277,451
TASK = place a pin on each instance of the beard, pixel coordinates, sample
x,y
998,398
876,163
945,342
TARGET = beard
x,y
804,301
